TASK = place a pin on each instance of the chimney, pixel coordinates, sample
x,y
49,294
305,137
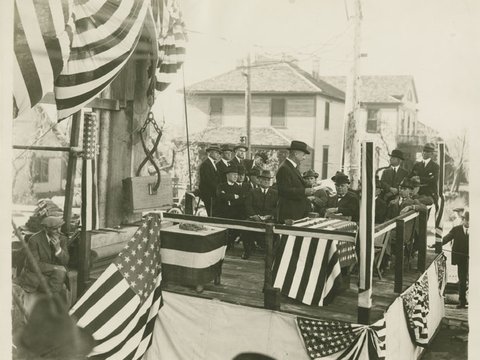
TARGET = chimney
x,y
316,68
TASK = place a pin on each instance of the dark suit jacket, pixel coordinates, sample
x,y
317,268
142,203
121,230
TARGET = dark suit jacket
x,y
292,202
45,257
222,177
208,181
348,205
460,244
258,203
380,210
391,179
428,178
236,162
226,204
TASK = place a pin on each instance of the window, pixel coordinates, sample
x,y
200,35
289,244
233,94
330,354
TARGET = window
x,y
278,113
40,168
325,162
408,124
216,111
372,120
327,116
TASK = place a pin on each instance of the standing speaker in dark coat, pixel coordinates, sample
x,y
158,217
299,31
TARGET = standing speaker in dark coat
x,y
460,256
209,178
292,190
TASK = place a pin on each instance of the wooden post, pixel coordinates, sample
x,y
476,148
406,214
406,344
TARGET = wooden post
x,y
248,104
422,241
439,207
271,296
399,256
71,171
366,232
83,262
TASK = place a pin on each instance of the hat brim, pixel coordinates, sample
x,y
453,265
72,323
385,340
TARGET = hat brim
x,y
428,149
302,150
397,156
213,149
240,147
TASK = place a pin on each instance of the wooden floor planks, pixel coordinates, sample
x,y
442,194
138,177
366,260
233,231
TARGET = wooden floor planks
x,y
242,283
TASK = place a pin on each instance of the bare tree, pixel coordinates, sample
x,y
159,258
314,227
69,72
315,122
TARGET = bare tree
x,y
457,149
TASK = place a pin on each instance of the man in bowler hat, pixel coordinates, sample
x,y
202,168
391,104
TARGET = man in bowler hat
x,y
292,188
49,248
344,202
427,170
224,162
209,178
393,176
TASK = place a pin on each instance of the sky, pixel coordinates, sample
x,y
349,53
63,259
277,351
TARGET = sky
x,y
435,41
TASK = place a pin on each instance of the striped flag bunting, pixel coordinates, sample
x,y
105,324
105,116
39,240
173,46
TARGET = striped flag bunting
x,y
121,307
416,306
89,207
308,269
171,43
441,269
342,340
41,47
104,38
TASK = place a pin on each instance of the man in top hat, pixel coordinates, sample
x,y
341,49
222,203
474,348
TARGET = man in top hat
x,y
260,205
209,178
223,163
460,256
319,200
49,249
344,202
427,170
292,189
240,151
393,175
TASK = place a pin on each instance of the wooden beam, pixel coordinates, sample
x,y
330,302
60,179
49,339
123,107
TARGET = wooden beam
x,y
97,103
83,262
71,170
399,256
422,241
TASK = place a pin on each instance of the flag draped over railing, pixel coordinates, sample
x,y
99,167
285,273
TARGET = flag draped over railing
x,y
41,46
121,307
439,206
343,340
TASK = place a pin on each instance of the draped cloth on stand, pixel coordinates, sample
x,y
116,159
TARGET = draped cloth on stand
x,y
308,269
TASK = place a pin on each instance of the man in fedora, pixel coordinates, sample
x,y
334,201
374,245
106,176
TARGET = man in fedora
x,y
427,171
260,205
460,256
49,248
224,162
240,151
318,201
292,189
209,178
345,202
393,175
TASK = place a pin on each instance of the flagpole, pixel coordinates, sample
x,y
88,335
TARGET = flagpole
x,y
186,127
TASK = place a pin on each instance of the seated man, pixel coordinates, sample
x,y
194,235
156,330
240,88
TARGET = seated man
x,y
344,202
424,199
49,248
404,203
318,201
260,205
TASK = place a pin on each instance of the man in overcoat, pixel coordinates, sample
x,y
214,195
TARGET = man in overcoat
x,y
393,175
292,190
460,256
209,178
239,159
427,170
224,162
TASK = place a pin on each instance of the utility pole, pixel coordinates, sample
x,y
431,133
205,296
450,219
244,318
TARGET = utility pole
x,y
248,102
353,130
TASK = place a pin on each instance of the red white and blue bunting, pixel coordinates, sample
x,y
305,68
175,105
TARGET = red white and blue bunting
x,y
416,307
441,269
342,340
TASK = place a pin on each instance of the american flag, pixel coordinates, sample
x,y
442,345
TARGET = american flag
x,y
171,43
41,46
416,306
120,308
308,269
342,340
89,208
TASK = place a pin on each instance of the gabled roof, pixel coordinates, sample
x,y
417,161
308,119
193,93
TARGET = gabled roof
x,y
267,77
378,88
262,136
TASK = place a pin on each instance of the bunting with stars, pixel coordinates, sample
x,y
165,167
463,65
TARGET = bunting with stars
x,y
342,340
121,307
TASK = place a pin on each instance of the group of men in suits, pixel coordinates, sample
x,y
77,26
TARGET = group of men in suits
x,y
237,188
